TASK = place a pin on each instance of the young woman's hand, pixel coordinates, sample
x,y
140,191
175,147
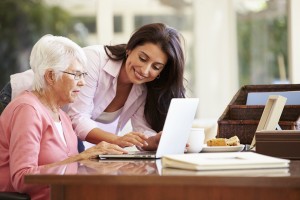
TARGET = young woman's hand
x,y
152,142
131,139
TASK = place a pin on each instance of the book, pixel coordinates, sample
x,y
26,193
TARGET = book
x,y
223,161
273,172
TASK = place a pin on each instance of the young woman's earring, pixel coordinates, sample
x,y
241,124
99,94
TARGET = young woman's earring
x,y
158,76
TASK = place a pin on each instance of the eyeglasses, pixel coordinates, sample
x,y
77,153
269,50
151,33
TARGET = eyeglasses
x,y
77,75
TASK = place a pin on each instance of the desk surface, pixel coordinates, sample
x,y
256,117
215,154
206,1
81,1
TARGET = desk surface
x,y
122,177
134,169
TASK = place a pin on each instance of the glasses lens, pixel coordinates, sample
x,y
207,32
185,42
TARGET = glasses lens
x,y
80,75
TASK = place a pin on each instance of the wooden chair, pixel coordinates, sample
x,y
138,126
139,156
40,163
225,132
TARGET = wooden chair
x,y
13,196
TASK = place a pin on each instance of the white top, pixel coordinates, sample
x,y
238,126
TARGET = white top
x,y
60,131
100,90
108,117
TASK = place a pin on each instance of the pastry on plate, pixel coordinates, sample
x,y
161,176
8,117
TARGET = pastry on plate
x,y
233,141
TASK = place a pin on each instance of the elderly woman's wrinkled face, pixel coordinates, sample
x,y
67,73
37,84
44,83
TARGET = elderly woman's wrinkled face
x,y
144,63
68,87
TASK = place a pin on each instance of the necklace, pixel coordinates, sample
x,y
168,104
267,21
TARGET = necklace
x,y
54,110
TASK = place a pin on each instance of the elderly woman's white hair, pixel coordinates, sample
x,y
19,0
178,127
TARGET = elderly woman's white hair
x,y
53,52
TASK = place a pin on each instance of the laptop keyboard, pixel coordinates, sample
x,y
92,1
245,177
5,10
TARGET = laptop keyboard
x,y
141,152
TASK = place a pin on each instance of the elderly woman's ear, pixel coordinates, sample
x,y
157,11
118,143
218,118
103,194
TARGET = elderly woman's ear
x,y
49,76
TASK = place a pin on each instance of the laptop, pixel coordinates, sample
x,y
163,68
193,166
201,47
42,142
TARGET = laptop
x,y
175,132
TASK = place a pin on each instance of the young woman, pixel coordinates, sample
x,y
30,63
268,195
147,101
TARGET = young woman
x,y
134,81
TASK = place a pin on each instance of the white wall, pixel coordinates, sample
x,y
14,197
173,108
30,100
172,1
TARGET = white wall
x,y
104,21
215,55
294,40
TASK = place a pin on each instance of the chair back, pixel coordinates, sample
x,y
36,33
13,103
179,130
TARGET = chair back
x,y
13,196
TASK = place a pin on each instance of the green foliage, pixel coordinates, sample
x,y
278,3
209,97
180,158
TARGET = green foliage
x,y
260,41
244,51
22,23
278,33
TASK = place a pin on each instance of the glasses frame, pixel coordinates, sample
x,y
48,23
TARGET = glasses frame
x,y
77,75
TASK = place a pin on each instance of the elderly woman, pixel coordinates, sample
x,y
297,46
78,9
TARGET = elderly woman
x,y
34,132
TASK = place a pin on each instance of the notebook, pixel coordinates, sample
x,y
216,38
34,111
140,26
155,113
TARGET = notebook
x,y
223,161
175,132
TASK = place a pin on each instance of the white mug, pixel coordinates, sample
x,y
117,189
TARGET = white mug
x,y
196,140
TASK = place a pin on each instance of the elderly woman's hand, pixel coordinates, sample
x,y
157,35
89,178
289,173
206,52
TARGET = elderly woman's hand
x,y
102,148
93,152
131,139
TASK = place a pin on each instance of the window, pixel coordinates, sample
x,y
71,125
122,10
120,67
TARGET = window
x,y
262,41
118,24
180,21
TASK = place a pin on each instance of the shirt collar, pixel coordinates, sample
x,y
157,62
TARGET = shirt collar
x,y
113,67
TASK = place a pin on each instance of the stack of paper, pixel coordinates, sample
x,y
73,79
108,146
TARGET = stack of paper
x,y
222,161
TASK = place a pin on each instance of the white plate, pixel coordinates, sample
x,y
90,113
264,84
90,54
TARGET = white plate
x,y
222,148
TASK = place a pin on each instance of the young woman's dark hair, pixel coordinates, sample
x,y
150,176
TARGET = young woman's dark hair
x,y
170,82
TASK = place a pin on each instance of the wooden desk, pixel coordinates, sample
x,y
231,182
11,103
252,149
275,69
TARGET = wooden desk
x,y
144,180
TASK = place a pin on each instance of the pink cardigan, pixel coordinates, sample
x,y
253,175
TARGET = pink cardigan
x,y
28,140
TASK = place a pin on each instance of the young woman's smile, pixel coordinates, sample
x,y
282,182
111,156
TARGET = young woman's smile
x,y
145,63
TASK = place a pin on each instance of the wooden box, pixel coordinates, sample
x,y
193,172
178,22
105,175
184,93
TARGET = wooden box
x,y
242,120
282,144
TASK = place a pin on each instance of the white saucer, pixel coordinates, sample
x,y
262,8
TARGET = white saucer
x,y
222,148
